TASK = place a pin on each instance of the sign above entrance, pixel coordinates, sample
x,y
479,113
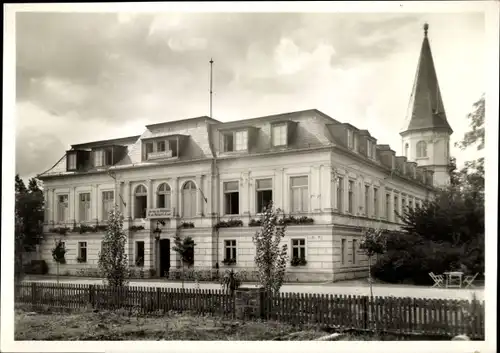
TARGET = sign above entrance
x,y
154,213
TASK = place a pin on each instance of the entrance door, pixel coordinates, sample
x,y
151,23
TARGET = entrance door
x,y
164,256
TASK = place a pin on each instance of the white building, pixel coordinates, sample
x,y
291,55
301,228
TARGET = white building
x,y
203,171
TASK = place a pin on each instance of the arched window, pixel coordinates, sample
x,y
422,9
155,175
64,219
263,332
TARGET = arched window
x,y
141,201
164,196
189,199
407,147
421,149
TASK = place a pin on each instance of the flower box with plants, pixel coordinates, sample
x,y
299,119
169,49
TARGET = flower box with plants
x,y
298,261
295,220
85,228
229,262
229,224
136,228
185,225
59,230
255,223
81,260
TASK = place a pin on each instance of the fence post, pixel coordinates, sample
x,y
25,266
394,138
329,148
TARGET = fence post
x,y
366,316
33,293
91,295
158,297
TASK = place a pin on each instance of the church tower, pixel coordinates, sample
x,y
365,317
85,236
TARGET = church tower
x,y
426,135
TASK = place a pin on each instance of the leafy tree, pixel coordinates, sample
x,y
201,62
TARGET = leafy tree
x,y
58,254
113,258
270,259
29,215
476,122
185,249
372,243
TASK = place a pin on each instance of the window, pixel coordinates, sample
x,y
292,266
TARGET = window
x,y
228,142
71,161
160,146
62,208
403,204
139,253
367,194
374,152
264,193
99,158
230,250
279,135
410,204
84,207
375,202
356,144
369,148
340,195
396,206
103,157
387,206
299,249
107,203
231,198
164,196
241,140
141,202
189,199
82,251
350,196
407,146
300,194
354,249
173,147
350,139
343,251
421,149
149,148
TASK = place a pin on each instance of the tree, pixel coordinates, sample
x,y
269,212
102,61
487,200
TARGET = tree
x,y
270,259
476,122
58,254
372,243
29,216
113,262
185,249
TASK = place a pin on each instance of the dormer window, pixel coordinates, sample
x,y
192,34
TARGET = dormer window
x,y
374,152
160,148
279,135
350,139
356,143
235,141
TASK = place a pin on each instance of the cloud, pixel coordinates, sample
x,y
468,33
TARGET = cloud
x,y
87,76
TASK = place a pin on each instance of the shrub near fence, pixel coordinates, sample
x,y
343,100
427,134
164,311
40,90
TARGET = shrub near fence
x,y
391,315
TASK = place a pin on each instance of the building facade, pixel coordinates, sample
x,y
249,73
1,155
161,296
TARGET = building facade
x,y
188,176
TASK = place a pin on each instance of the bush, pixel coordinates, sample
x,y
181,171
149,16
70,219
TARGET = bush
x,y
409,258
36,267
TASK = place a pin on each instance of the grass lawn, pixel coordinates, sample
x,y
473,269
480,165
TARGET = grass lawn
x,y
46,324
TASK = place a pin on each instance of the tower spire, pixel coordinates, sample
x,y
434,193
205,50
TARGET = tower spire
x,y
426,109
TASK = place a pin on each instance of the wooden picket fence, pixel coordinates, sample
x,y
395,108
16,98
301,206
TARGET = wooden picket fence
x,y
405,316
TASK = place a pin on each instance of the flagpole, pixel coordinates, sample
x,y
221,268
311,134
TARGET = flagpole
x,y
211,73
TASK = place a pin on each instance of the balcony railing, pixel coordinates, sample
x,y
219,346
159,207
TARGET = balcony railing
x,y
159,155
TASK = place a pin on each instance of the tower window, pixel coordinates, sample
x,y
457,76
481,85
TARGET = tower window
x,y
421,149
406,150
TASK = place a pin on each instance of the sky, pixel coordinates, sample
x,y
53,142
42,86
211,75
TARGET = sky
x,y
83,77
